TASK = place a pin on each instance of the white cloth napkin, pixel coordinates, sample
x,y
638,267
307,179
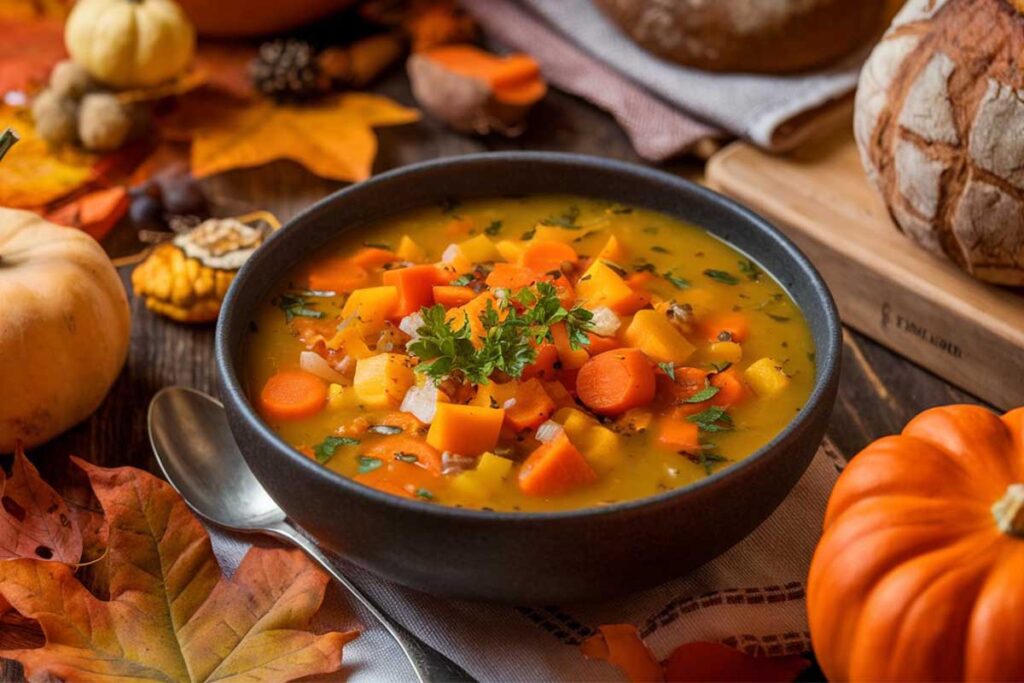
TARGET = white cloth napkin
x,y
751,597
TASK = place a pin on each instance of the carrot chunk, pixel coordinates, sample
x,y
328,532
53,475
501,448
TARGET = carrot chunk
x,y
571,358
511,277
678,433
403,479
731,388
407,448
546,257
615,381
373,257
554,468
543,366
466,430
415,286
452,296
336,274
728,327
532,406
599,344
293,395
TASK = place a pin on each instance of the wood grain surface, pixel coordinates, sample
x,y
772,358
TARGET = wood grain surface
x,y
878,394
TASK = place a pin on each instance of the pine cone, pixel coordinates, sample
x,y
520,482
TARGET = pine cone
x,y
287,71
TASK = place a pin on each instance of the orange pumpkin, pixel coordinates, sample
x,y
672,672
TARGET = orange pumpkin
x,y
919,575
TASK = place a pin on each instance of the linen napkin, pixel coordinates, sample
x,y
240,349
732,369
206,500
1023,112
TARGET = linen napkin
x,y
776,112
751,598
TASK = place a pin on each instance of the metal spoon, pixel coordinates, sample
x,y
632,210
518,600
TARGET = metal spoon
x,y
194,447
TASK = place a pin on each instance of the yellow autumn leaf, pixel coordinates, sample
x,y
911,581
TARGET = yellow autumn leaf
x,y
32,174
333,139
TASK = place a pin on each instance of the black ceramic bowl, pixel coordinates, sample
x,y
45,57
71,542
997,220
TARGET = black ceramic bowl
x,y
528,557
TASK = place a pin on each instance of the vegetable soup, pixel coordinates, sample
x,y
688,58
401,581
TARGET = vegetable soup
x,y
538,353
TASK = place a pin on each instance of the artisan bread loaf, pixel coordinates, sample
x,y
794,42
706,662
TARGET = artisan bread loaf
x,y
765,36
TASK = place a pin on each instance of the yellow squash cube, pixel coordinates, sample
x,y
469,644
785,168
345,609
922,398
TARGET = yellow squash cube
x,y
510,251
494,395
382,380
766,377
613,250
653,333
479,249
485,480
601,447
408,250
339,397
372,307
725,352
600,285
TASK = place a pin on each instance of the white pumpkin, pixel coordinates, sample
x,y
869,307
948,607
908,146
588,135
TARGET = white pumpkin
x,y
130,43
64,328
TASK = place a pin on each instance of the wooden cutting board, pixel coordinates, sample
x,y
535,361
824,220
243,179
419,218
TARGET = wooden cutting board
x,y
915,303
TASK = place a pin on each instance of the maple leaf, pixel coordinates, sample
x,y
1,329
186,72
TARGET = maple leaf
x,y
28,51
170,615
333,139
35,522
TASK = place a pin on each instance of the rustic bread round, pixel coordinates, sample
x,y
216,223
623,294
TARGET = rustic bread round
x,y
939,120
763,36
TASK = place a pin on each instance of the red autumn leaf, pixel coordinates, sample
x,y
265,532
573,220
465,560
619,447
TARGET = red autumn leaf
x,y
170,614
94,212
28,51
224,66
35,522
716,662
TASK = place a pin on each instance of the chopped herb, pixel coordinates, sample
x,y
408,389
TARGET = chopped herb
x,y
406,457
811,356
588,233
324,450
713,419
660,249
651,230
773,299
387,430
750,269
778,318
494,228
707,460
622,272
566,219
296,306
368,463
377,245
463,280
619,209
669,369
677,282
721,367
722,276
425,494
528,235
644,268
704,394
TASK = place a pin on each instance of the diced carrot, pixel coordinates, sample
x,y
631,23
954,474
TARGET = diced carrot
x,y
532,406
451,296
563,290
615,381
640,298
599,344
403,479
733,326
543,365
678,433
731,388
374,257
404,447
336,274
466,430
510,276
554,468
546,257
293,395
415,286
571,358
560,395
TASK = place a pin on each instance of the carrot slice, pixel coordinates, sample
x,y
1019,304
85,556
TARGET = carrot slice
x,y
336,274
402,479
546,257
554,468
510,276
451,296
292,395
532,406
407,448
615,381
415,286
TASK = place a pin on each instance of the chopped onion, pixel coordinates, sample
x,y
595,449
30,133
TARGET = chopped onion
x,y
411,324
500,293
347,366
450,253
549,431
315,364
421,401
605,322
509,404
346,322
453,463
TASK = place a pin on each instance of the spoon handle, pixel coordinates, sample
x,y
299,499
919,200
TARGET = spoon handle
x,y
430,665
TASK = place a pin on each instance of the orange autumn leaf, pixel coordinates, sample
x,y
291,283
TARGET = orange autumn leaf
x,y
717,662
333,139
28,50
225,66
35,522
170,614
95,212
622,646
33,174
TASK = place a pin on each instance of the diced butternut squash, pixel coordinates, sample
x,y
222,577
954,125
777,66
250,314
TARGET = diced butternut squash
x,y
613,250
382,380
465,429
479,249
574,421
336,274
766,377
372,306
349,340
510,250
732,326
543,366
601,447
554,468
657,337
415,286
678,433
545,256
731,388
408,250
340,398
570,358
600,285
473,312
553,233
532,406
484,481
725,352
494,395
510,276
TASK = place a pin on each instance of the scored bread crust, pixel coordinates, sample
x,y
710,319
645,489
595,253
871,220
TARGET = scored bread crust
x,y
763,36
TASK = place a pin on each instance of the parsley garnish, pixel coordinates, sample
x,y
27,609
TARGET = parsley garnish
x,y
324,450
777,318
721,367
425,494
463,280
509,339
528,235
669,369
494,228
722,276
660,249
566,219
677,282
406,457
713,419
750,269
619,270
651,230
295,306
707,460
704,394
368,463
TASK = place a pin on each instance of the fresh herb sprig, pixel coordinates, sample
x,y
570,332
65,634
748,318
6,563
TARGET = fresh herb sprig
x,y
296,305
324,450
713,419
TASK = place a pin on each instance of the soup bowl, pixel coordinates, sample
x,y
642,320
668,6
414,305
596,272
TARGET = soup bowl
x,y
513,556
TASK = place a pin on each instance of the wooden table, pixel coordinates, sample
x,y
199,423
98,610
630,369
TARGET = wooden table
x,y
878,393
